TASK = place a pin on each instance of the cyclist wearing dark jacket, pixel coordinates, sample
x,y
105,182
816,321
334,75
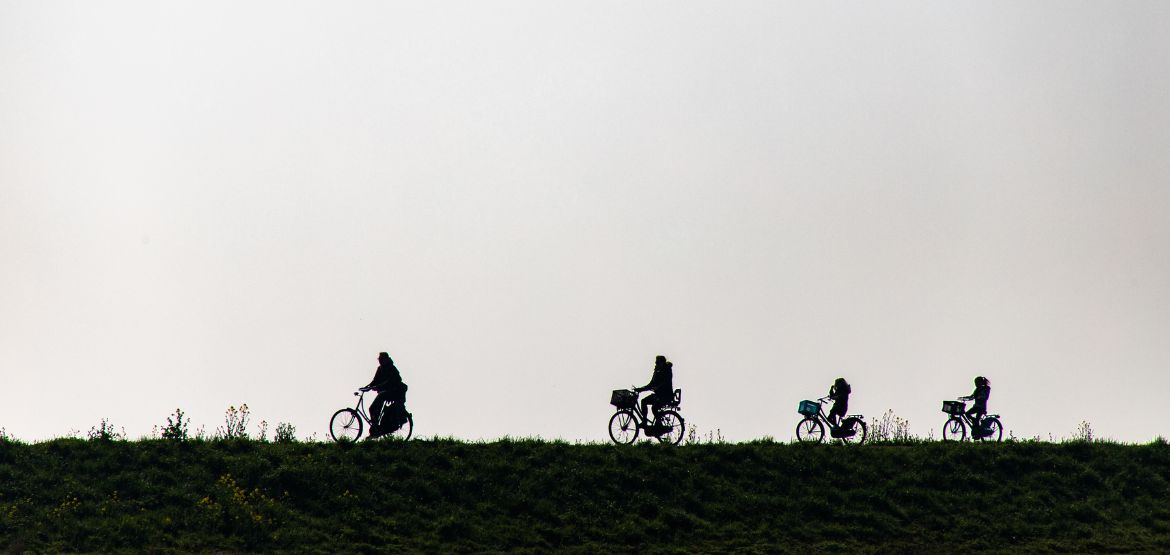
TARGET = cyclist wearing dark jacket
x,y
980,395
839,393
388,383
662,384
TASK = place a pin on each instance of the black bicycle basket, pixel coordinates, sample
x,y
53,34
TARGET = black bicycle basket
x,y
623,398
809,408
953,407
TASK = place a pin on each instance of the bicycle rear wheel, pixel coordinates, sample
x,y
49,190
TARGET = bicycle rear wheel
x,y
676,427
810,430
954,429
993,429
623,427
345,426
859,431
403,432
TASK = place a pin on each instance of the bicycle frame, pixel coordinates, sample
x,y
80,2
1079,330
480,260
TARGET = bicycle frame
x,y
825,418
360,408
637,410
971,421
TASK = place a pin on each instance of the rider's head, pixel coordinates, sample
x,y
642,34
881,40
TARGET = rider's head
x,y
659,360
982,381
384,358
840,382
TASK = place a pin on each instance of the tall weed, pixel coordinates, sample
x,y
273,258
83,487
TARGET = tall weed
x,y
104,431
889,428
176,426
235,423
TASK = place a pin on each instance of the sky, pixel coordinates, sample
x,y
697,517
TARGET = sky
x,y
204,204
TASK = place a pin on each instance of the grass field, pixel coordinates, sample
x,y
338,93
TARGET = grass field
x,y
534,496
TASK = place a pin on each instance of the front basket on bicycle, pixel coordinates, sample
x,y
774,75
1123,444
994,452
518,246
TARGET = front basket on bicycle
x,y
953,407
809,408
623,398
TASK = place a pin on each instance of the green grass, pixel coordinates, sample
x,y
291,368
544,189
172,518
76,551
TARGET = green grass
x,y
533,496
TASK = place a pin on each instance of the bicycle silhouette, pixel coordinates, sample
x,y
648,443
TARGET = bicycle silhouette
x,y
851,430
955,428
347,424
624,425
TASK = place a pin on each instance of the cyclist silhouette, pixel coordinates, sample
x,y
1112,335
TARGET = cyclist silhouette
x,y
839,393
388,383
980,395
662,384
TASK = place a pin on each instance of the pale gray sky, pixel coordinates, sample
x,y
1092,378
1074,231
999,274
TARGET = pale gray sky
x,y
208,203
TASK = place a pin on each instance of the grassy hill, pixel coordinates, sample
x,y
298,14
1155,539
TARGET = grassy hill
x,y
441,495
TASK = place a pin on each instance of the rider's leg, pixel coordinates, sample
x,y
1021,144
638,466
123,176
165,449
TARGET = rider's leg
x,y
400,406
376,410
648,405
395,415
976,413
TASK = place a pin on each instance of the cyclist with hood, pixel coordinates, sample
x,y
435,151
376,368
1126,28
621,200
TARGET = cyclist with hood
x,y
388,383
662,385
980,395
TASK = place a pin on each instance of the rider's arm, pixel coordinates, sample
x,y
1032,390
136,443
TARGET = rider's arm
x,y
373,385
646,387
379,379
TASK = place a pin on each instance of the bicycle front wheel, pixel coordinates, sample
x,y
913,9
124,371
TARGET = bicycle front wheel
x,y
623,427
345,426
993,429
954,429
810,430
675,425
